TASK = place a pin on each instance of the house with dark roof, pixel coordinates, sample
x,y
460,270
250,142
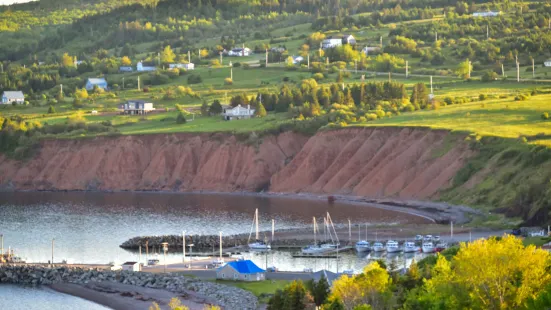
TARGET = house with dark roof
x,y
9,97
131,266
241,270
136,107
99,82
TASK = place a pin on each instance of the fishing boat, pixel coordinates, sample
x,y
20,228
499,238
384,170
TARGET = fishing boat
x,y
410,247
152,262
441,246
378,247
362,245
393,247
257,244
428,247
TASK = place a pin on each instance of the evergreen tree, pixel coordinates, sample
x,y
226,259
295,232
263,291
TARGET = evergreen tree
x,y
419,95
205,109
181,119
51,109
215,108
260,111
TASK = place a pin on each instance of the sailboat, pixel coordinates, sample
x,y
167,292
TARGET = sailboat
x,y
314,248
258,244
328,222
362,245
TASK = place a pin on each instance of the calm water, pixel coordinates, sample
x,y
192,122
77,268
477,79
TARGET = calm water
x,y
89,227
16,297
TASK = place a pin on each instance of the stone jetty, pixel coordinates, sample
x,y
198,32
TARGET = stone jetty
x,y
228,297
202,242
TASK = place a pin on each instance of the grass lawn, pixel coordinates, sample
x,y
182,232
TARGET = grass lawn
x,y
537,241
499,117
259,289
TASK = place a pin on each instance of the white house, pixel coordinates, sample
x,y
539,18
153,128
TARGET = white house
x,y
188,66
547,63
99,82
331,43
238,112
348,39
242,270
140,67
368,49
9,97
240,52
131,266
486,14
137,107
298,60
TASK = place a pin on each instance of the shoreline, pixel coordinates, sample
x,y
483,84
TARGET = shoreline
x,y
436,212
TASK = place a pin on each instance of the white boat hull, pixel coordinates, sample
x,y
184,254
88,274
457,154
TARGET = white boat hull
x,y
259,246
314,250
393,250
429,249
361,249
411,249
378,249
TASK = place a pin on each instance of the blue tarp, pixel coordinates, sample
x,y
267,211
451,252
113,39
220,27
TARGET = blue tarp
x,y
245,267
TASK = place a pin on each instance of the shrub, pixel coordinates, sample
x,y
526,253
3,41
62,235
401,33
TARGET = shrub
x,y
246,66
236,64
51,110
181,119
371,116
482,97
521,97
286,79
228,81
448,100
194,79
544,116
146,89
318,76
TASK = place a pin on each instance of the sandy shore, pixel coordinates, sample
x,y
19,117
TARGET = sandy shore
x,y
119,296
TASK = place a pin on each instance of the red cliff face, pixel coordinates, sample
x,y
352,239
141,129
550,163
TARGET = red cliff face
x,y
374,162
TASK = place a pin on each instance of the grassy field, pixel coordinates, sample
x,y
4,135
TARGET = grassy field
x,y
259,289
498,117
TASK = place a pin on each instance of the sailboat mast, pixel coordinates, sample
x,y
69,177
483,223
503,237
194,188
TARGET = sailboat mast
x,y
273,228
256,218
314,220
359,231
365,231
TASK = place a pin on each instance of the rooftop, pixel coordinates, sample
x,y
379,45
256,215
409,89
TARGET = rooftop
x,y
97,80
14,94
245,267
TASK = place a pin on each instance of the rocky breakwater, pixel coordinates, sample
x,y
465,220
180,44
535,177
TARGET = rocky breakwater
x,y
226,296
204,243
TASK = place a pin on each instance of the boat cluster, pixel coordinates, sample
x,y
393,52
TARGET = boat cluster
x,y
426,244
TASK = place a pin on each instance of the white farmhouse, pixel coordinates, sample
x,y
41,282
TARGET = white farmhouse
x,y
188,66
137,107
140,67
8,97
240,52
547,63
486,14
331,43
238,112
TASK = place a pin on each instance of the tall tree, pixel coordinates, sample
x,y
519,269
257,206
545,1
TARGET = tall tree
x,y
167,55
419,95
464,69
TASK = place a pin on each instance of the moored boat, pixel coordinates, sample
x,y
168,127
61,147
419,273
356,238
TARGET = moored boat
x,y
393,247
428,247
410,247
362,246
378,247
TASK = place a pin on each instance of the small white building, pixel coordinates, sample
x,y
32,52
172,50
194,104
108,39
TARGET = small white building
x,y
331,43
188,66
137,107
8,97
242,270
140,67
131,266
99,82
486,14
348,39
240,52
297,60
238,112
547,63
369,49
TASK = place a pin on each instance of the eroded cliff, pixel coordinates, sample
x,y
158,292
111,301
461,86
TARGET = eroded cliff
x,y
374,162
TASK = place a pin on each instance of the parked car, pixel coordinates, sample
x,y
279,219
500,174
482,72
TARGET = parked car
x,y
271,269
436,238
419,238
428,238
516,232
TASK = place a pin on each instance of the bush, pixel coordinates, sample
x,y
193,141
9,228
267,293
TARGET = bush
x,y
181,119
146,89
521,97
194,79
236,64
489,76
544,116
51,110
318,76
228,81
482,97
448,100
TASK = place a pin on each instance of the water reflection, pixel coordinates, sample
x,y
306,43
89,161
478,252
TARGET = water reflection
x,y
89,227
41,298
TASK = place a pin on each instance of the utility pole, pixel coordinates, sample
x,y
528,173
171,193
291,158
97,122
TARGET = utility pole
x,y
533,69
381,41
431,92
60,90
502,71
53,242
159,58
220,246
320,51
220,58
469,69
308,61
407,69
266,58
138,83
2,245
199,52
146,252
184,246
140,255
349,232
189,56
436,36
231,73
389,77
518,72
